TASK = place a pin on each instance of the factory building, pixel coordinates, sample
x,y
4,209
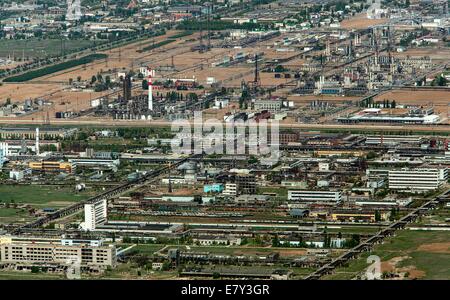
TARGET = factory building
x,y
352,215
270,105
314,196
51,166
95,163
417,180
376,115
393,140
30,133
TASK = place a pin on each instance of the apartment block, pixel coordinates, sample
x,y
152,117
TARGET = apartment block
x,y
95,214
31,251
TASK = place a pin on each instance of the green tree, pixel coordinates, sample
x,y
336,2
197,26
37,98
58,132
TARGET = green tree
x,y
275,241
377,216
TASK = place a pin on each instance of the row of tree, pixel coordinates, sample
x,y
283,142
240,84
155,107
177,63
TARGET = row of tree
x,y
55,68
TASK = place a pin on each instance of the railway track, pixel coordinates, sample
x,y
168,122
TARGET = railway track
x,y
149,177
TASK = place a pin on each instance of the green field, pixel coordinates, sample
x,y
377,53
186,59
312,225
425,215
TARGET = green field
x,y
435,264
40,196
181,34
55,68
156,45
9,212
10,215
280,191
19,275
34,47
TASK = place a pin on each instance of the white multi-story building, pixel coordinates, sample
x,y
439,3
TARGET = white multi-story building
x,y
314,196
16,175
230,189
2,157
29,251
4,149
417,180
324,167
95,214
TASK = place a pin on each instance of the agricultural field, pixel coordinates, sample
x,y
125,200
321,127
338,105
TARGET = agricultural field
x,y
34,47
410,254
40,196
11,215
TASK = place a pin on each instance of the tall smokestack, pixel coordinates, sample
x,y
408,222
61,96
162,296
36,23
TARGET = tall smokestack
x,y
37,141
150,88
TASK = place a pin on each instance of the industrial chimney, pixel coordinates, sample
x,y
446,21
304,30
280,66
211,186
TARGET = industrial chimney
x,y
150,75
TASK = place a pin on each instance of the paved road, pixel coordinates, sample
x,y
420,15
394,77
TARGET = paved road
x,y
140,123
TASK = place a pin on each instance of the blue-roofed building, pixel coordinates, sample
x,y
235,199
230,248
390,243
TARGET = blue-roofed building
x,y
213,188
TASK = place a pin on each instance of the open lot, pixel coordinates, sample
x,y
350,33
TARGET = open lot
x,y
40,196
360,21
421,254
418,97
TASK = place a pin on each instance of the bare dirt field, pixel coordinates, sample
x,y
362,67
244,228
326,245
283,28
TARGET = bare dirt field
x,y
437,55
435,247
391,266
68,101
10,65
19,92
291,252
360,21
294,64
54,86
120,58
440,100
417,97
